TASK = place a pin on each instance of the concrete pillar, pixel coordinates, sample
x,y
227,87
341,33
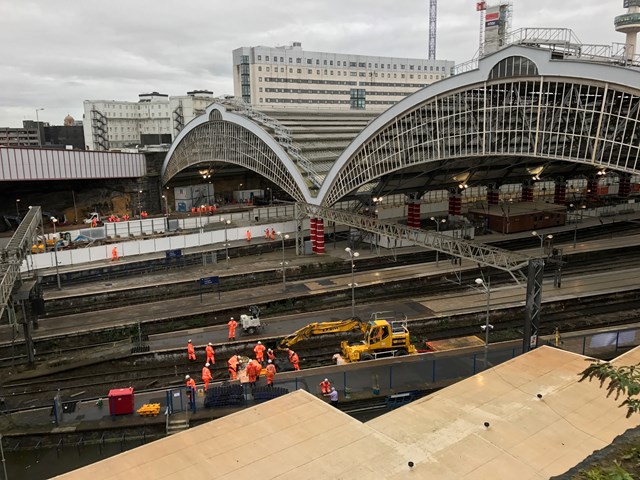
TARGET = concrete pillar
x,y
592,189
413,214
527,192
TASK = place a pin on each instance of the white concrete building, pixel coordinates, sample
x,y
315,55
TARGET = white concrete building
x,y
288,76
155,119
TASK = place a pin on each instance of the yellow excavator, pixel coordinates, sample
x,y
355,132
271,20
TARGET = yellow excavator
x,y
382,337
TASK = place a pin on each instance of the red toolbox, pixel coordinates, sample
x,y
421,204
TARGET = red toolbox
x,y
121,401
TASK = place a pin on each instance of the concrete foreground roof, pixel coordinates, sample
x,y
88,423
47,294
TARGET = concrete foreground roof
x,y
301,436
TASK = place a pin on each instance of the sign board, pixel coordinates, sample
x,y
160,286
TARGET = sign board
x,y
174,253
210,280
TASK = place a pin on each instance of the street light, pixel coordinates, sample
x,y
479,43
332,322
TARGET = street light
x,y
166,205
352,255
38,125
18,208
283,238
541,236
438,222
226,243
54,220
486,287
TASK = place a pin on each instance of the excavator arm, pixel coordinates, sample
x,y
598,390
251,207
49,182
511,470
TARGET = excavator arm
x,y
322,328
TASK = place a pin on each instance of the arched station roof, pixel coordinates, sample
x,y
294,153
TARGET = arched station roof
x,y
520,114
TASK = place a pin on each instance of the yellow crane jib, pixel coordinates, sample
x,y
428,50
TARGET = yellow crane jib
x,y
323,328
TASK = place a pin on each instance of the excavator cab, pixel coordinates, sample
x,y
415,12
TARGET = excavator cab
x,y
382,338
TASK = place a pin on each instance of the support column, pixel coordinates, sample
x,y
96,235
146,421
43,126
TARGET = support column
x,y
624,185
455,203
493,195
413,214
592,189
533,302
320,236
560,193
312,233
527,192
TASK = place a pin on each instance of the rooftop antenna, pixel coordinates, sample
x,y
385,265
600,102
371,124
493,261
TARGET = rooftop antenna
x,y
433,24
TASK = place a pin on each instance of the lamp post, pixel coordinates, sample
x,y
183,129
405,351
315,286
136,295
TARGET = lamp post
x,y
284,264
352,255
542,238
54,220
486,287
140,203
18,207
438,222
38,125
226,242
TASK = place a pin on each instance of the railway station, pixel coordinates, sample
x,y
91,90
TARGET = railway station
x,y
485,228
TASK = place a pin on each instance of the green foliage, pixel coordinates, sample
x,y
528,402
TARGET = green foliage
x,y
613,472
622,381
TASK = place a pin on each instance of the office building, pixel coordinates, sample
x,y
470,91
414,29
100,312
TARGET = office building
x,y
288,76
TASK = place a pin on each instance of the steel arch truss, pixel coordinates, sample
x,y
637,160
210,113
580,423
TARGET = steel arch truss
x,y
475,252
219,140
547,118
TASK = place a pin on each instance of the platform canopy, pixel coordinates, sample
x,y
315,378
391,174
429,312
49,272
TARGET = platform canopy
x,y
443,435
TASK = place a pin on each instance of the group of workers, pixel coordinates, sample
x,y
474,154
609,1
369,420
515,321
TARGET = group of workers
x,y
116,218
254,368
269,235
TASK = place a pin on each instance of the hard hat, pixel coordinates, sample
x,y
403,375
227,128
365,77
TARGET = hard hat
x,y
333,388
186,377
206,364
269,361
209,343
231,318
189,340
326,379
259,342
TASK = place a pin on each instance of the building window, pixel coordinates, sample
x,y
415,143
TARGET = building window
x,y
309,61
402,76
317,72
282,69
332,72
299,70
291,70
419,67
290,60
259,57
317,62
395,67
260,89
411,77
353,74
309,71
268,69
357,98
352,64
395,75
402,67
338,73
362,64
325,62
362,74
259,69
259,79
338,62
331,63
298,60
431,68
266,58
410,67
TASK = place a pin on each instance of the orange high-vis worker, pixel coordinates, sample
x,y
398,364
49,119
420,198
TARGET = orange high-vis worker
x,y
325,387
233,366
114,254
273,234
271,373
253,372
232,329
259,351
94,222
270,355
206,376
248,235
266,234
191,352
210,353
293,358
191,383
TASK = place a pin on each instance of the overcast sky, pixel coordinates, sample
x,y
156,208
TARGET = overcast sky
x,y
55,54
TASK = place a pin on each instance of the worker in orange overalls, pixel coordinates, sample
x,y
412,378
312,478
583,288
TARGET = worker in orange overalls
x,y
270,355
259,351
94,222
266,234
191,352
273,234
191,386
232,329
210,353
253,372
233,366
293,358
325,387
206,376
248,235
114,254
125,217
271,373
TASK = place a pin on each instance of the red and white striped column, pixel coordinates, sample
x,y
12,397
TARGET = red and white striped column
x,y
312,233
320,236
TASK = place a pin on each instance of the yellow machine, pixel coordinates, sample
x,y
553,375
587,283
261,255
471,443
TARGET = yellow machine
x,y
381,336
63,239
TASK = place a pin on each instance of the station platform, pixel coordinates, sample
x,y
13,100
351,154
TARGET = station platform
x,y
502,297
